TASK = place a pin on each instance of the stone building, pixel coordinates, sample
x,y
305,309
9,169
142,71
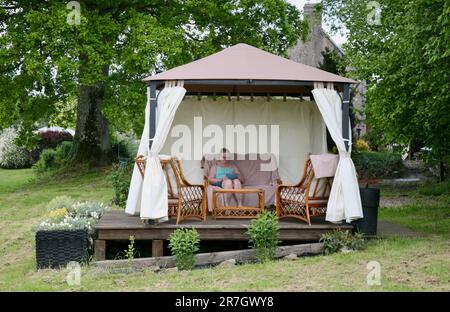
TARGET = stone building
x,y
309,52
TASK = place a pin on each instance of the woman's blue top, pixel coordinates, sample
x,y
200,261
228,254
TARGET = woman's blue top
x,y
225,171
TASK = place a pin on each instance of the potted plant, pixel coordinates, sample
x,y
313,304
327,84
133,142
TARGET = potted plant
x,y
67,234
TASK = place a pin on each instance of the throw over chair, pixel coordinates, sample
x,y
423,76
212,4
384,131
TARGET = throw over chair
x,y
306,199
186,200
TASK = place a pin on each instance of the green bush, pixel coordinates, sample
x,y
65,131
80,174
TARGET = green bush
x,y
435,189
362,145
377,165
54,159
120,177
263,232
341,240
124,146
184,243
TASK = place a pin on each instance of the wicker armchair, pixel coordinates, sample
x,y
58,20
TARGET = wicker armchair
x,y
306,199
187,200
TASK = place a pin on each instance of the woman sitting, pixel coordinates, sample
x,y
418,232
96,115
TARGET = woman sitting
x,y
226,175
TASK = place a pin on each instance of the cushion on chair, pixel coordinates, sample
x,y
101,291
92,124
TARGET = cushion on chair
x,y
324,165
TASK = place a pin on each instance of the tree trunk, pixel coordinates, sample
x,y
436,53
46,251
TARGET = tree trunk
x,y
441,171
91,143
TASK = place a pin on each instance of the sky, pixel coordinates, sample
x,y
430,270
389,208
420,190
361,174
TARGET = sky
x,y
338,38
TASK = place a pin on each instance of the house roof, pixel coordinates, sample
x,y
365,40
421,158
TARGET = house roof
x,y
245,62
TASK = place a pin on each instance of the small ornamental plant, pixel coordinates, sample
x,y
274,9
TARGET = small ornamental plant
x,y
341,241
264,232
131,251
184,243
58,214
362,145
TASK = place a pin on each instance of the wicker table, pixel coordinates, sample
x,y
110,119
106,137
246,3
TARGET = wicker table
x,y
237,212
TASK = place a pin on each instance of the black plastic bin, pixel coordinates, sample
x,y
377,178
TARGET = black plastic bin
x,y
370,200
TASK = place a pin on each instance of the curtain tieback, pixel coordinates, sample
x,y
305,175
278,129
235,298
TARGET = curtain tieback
x,y
344,155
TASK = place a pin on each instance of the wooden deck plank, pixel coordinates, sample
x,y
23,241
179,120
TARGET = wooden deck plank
x,y
116,225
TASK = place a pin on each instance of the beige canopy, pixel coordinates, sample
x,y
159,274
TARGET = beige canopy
x,y
244,62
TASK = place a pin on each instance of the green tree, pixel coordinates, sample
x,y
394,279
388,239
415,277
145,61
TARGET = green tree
x,y
402,50
48,58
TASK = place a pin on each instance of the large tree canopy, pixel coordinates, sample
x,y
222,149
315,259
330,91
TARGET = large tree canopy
x,y
100,61
402,50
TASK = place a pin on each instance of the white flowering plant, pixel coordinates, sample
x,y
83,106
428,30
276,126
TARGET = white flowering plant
x,y
11,155
68,223
65,214
92,210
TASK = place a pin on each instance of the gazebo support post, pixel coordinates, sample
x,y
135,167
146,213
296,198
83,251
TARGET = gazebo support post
x,y
346,114
153,103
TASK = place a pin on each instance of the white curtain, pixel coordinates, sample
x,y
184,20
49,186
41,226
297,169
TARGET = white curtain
x,y
133,205
149,197
345,201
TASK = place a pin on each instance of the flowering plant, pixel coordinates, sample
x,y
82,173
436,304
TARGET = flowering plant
x,y
58,214
64,214
11,155
67,223
88,210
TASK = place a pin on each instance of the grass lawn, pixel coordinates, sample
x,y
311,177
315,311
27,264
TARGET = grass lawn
x,y
407,264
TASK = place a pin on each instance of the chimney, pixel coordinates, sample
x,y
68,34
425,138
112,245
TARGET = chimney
x,y
314,18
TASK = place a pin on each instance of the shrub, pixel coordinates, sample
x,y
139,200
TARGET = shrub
x,y
11,155
46,162
435,189
54,159
341,240
376,165
362,145
120,177
60,202
51,139
263,232
184,243
124,146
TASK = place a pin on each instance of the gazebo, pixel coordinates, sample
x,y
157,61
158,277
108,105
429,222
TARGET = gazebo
x,y
240,74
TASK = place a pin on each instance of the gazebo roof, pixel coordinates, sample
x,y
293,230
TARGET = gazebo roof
x,y
245,62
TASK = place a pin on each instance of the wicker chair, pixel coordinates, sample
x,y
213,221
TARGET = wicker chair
x,y
306,199
187,200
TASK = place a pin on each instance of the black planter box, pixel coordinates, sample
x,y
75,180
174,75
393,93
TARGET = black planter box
x,y
57,248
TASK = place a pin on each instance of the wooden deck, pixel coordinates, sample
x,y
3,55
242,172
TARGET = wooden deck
x,y
116,225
